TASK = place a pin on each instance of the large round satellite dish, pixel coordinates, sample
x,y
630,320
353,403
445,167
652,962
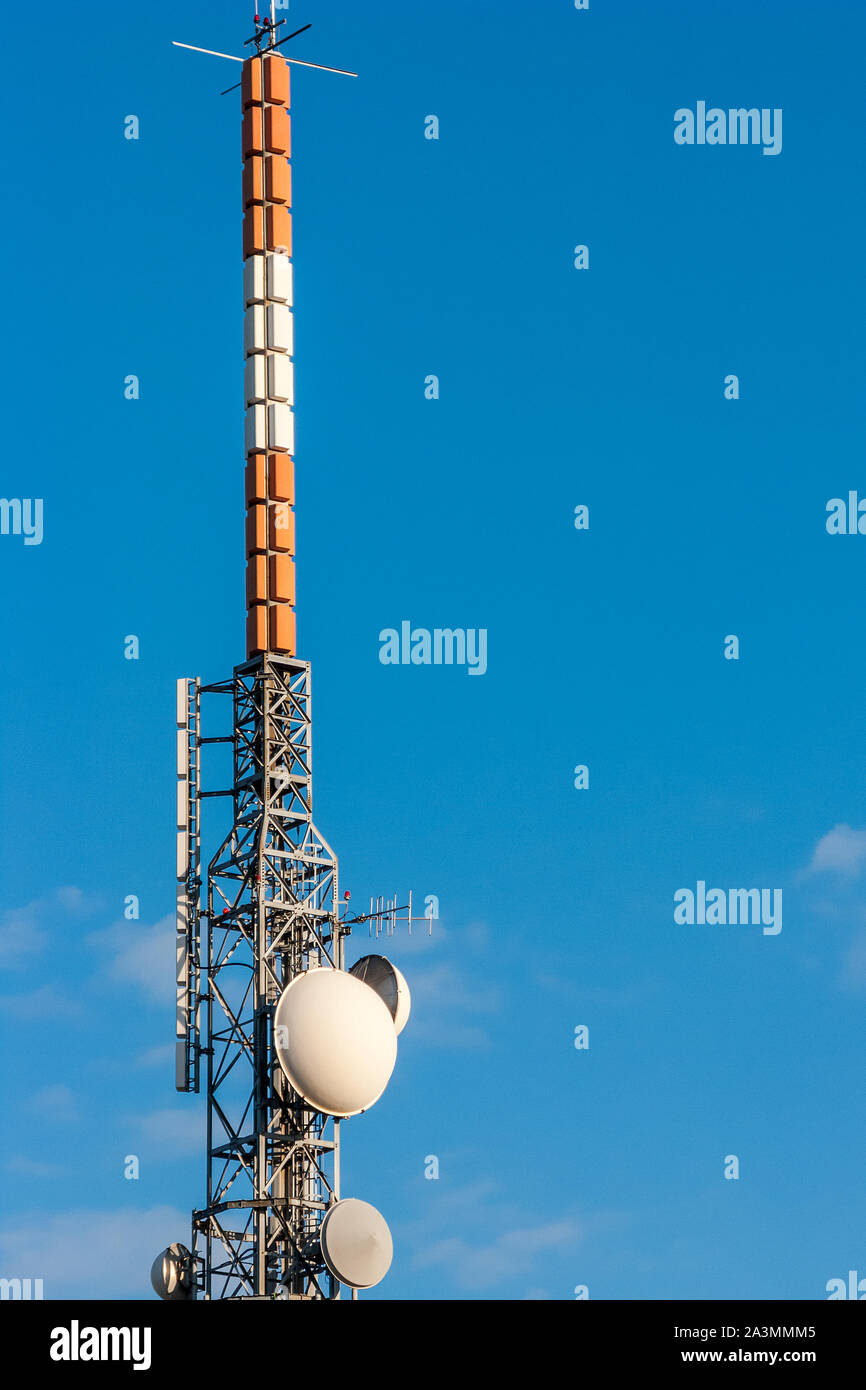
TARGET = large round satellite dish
x,y
356,1243
384,977
170,1273
335,1041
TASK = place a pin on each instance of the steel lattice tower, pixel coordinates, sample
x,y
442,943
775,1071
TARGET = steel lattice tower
x,y
266,911
271,913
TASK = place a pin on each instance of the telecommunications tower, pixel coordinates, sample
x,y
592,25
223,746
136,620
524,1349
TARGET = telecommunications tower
x,y
285,1041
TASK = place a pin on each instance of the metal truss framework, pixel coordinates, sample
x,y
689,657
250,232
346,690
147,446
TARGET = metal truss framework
x,y
270,913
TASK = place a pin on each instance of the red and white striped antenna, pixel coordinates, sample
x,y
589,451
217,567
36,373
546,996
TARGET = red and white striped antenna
x,y
269,422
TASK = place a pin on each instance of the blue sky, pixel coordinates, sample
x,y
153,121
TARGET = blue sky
x,y
558,387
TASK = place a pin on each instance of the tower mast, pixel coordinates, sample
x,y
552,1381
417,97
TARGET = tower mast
x,y
271,890
266,911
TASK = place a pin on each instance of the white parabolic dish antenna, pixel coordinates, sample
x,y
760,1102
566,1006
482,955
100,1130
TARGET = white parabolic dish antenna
x,y
356,1243
384,977
335,1041
169,1271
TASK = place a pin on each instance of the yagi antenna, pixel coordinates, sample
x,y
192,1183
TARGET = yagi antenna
x,y
266,28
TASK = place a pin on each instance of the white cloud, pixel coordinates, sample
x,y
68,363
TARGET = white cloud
x,y
48,1004
482,1240
853,976
25,931
175,1133
515,1252
162,1055
461,1037
56,1103
842,851
90,1254
840,855
33,1168
141,956
445,984
445,1007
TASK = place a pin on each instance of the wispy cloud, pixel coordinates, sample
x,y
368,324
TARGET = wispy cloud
x,y
853,972
25,931
456,1235
837,864
56,1103
515,1251
841,851
90,1254
174,1133
141,956
162,1055
48,1004
624,995
512,1253
28,1167
446,1003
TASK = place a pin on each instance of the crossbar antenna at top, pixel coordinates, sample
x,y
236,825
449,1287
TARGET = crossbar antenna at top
x,y
263,28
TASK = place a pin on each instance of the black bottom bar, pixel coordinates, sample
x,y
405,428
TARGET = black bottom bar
x,y
597,1339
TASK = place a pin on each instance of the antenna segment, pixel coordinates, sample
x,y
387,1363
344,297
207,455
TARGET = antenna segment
x,y
287,1042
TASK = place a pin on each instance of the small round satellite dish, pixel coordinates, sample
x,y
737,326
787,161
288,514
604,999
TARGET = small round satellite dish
x,y
335,1041
170,1273
356,1243
384,977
